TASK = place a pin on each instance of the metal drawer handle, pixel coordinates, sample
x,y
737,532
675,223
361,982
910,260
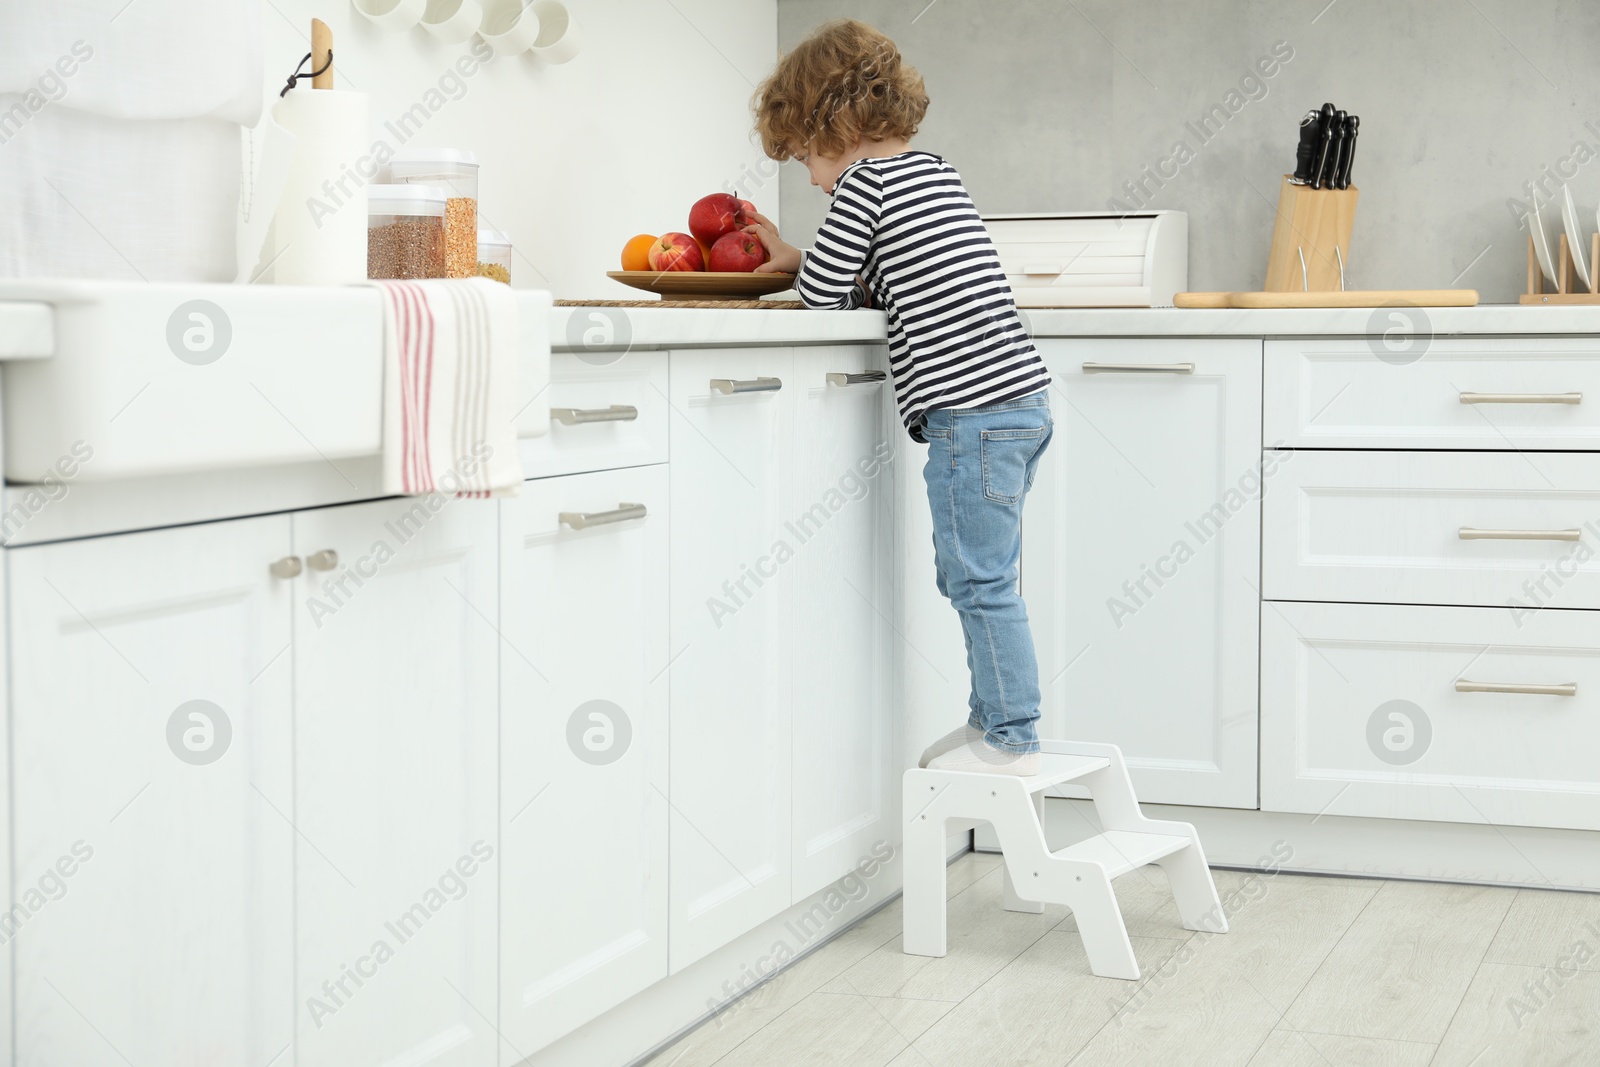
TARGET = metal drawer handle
x,y
729,386
582,520
1467,533
287,567
1522,398
1566,689
855,378
579,416
325,560
1138,368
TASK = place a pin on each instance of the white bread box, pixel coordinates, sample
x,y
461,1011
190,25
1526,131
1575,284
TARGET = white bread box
x,y
1093,258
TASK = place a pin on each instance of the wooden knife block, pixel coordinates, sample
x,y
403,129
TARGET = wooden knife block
x,y
1316,224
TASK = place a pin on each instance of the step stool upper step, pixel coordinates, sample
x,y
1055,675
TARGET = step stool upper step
x,y
1058,767
1120,851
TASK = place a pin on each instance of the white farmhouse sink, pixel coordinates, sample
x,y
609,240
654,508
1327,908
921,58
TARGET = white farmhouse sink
x,y
174,378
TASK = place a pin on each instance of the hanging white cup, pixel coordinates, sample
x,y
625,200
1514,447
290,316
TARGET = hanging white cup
x,y
559,37
509,26
391,14
452,21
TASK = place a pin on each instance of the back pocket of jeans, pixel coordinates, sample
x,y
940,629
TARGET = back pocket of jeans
x,y
1005,455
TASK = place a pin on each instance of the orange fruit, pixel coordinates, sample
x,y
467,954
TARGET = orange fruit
x,y
705,252
636,253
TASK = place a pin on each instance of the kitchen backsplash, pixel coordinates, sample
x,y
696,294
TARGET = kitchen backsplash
x,y
651,115
1045,105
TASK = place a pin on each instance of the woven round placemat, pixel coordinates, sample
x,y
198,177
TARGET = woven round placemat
x,y
757,305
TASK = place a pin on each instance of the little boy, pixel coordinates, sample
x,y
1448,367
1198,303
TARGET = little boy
x,y
903,234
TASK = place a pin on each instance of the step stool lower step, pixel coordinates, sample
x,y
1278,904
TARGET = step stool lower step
x,y
1121,851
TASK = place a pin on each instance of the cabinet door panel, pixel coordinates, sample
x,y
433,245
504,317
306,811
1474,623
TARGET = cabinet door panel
x,y
585,792
170,939
843,738
731,628
395,792
1141,550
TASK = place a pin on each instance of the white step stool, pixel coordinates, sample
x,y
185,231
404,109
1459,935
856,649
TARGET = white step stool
x,y
1078,876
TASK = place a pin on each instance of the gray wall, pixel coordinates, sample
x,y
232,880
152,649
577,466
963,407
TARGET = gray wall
x,y
1052,105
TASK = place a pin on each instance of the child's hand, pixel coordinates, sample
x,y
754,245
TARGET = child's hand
x,y
784,258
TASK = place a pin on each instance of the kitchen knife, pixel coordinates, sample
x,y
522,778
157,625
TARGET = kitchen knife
x,y
1319,166
1330,176
1352,126
1306,152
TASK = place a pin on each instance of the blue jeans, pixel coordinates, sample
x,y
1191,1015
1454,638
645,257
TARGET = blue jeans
x,y
981,463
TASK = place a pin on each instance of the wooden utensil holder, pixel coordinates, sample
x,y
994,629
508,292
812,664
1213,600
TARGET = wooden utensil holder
x,y
1567,291
1310,239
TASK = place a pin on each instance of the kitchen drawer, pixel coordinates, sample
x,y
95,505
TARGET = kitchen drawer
x,y
1388,527
1361,714
616,414
1341,394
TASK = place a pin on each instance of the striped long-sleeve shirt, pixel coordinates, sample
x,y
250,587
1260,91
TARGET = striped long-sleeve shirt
x,y
906,225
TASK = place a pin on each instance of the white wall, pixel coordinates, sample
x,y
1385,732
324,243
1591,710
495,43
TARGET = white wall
x,y
575,159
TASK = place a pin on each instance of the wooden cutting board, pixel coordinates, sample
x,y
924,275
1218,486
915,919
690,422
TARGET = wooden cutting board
x,y
1355,298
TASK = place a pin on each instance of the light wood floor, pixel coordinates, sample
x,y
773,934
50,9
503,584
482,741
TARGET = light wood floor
x,y
1314,971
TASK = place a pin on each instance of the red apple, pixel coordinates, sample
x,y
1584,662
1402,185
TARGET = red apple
x,y
718,214
737,252
676,251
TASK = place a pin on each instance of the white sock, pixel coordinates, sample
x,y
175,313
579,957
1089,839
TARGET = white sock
x,y
961,735
983,758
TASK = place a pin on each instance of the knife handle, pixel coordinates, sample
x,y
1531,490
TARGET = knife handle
x,y
1335,151
1319,170
1352,126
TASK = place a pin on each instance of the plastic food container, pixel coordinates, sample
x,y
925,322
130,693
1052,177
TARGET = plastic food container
x,y
494,255
406,231
457,172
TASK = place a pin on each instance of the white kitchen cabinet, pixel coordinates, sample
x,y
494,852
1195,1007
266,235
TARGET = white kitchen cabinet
x,y
1455,714
1490,393
732,582
397,855
585,786
1140,555
1434,527
153,804
843,740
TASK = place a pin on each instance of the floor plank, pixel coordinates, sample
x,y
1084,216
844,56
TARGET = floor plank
x,y
833,1029
1403,967
1219,995
1503,1020
983,937
1545,926
1001,1023
1289,1048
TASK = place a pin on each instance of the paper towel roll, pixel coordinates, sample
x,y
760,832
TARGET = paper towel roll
x,y
319,233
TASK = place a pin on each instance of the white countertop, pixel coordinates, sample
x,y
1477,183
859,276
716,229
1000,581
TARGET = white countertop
x,y
652,328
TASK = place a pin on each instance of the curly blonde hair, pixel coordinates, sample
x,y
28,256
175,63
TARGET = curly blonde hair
x,y
844,84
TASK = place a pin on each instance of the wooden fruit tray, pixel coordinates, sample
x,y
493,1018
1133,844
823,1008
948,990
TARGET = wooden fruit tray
x,y
703,285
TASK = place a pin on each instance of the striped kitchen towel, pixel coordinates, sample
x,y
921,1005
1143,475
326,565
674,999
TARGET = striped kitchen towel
x,y
450,388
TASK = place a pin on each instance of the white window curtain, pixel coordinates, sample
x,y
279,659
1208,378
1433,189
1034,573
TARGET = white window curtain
x,y
120,136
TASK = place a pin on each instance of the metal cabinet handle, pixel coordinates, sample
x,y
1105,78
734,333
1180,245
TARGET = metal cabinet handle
x,y
579,416
729,386
1565,689
1522,398
855,378
582,520
325,560
1467,533
287,567
1138,368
